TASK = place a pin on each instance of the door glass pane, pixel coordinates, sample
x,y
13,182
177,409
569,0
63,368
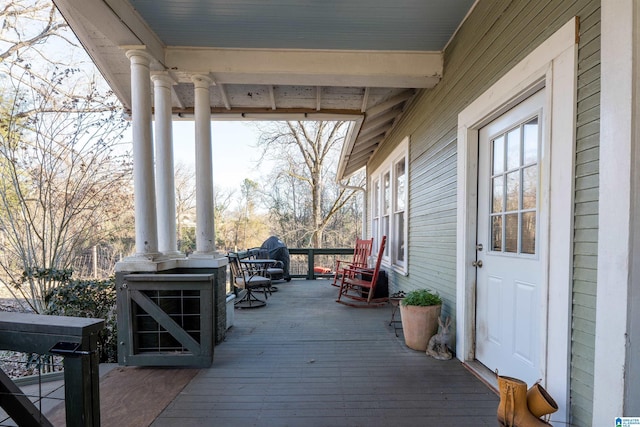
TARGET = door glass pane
x,y
497,203
513,149
529,187
511,233
530,142
513,190
498,155
496,233
528,232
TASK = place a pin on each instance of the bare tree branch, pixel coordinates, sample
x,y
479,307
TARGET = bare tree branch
x,y
63,179
19,15
309,148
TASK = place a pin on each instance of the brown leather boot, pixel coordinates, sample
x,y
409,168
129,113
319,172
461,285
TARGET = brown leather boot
x,y
539,401
513,410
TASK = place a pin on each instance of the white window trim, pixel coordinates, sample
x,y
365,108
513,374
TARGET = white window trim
x,y
400,152
553,64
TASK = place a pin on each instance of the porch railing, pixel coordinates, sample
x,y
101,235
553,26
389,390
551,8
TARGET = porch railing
x,y
73,338
315,257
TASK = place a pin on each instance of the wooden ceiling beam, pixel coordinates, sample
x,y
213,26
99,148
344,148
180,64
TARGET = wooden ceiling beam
x,y
365,148
374,124
176,97
365,99
318,97
267,113
390,103
223,94
364,154
272,96
374,135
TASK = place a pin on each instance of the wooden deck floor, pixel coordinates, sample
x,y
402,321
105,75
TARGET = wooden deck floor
x,y
304,360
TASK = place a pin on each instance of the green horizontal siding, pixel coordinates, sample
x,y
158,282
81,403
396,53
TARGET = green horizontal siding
x,y
586,218
494,38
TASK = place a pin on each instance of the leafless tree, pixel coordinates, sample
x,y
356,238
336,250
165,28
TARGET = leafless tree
x,y
185,185
37,45
184,179
249,226
64,172
224,217
65,183
304,194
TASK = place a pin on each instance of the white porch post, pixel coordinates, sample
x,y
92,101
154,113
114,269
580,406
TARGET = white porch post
x,y
205,232
143,176
165,184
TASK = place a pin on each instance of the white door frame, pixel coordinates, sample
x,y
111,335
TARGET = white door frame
x,y
553,65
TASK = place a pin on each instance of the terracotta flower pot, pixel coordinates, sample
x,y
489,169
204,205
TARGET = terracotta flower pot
x,y
419,324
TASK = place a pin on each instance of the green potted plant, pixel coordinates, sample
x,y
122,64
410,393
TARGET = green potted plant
x,y
419,312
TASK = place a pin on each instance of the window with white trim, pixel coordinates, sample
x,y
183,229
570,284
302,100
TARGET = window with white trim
x,y
389,207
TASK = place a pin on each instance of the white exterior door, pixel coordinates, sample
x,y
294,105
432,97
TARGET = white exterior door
x,y
510,294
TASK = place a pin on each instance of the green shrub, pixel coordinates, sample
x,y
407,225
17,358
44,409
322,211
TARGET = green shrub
x,y
89,298
422,297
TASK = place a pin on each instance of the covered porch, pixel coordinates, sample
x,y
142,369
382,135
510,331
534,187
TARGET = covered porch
x,y
303,359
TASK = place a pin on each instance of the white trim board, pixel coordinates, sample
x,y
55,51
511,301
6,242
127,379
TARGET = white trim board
x,y
553,65
617,224
399,152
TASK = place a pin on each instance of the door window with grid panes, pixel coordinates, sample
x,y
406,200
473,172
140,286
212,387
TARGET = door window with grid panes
x,y
514,189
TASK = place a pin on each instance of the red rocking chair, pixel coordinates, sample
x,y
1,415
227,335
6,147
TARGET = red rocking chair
x,y
359,284
361,252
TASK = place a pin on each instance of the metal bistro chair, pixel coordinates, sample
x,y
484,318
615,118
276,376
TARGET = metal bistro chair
x,y
359,284
361,252
249,279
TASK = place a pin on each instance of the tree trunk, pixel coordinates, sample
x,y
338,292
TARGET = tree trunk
x,y
316,190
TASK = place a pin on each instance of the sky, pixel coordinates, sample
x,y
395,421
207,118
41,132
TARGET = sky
x,y
234,146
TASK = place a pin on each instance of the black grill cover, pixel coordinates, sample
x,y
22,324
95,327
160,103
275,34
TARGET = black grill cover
x,y
278,251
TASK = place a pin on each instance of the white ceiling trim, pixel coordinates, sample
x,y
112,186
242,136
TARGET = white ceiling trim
x,y
127,14
310,67
118,20
347,148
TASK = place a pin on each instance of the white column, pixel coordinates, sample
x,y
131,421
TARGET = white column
x,y
143,176
165,183
205,233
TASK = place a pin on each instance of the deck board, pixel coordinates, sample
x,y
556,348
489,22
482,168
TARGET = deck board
x,y
306,360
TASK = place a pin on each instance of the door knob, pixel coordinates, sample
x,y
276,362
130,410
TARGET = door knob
x,y
477,263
